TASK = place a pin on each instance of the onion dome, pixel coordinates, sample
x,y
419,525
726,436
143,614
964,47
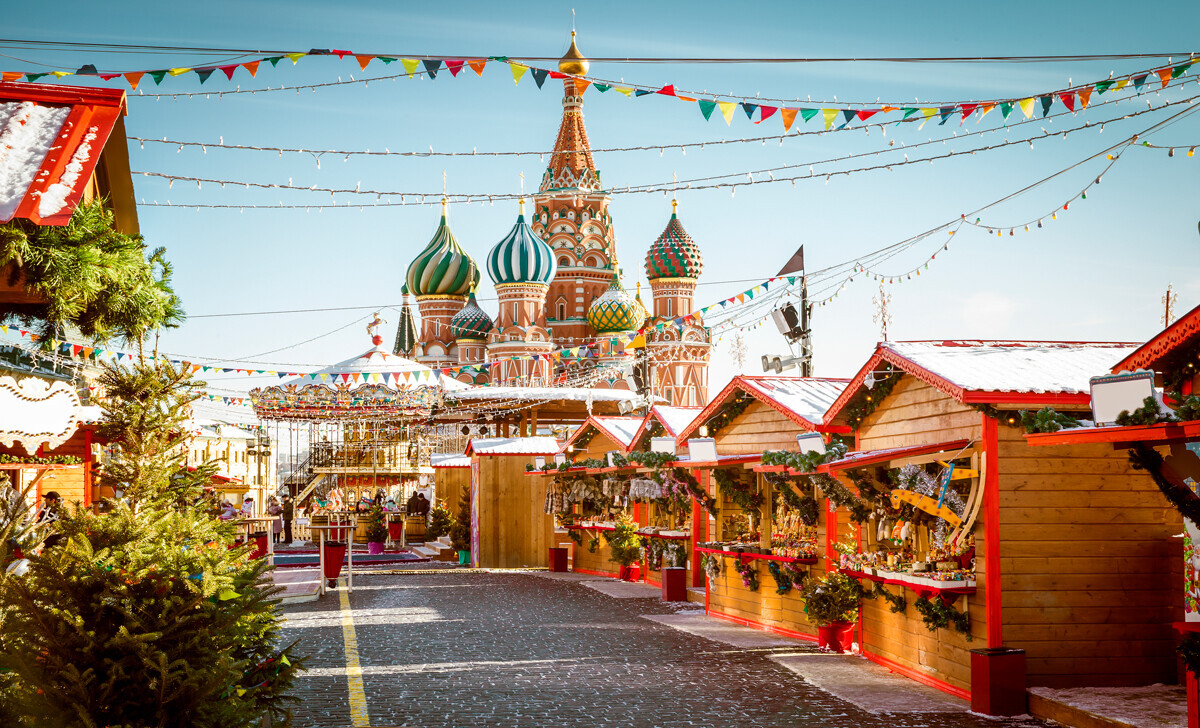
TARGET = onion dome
x,y
615,310
674,254
522,257
443,268
471,322
573,62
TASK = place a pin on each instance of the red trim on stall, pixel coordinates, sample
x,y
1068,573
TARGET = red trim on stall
x,y
991,530
759,625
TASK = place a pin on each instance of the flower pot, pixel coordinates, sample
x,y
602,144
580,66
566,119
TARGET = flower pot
x,y
464,558
837,636
335,553
630,573
375,548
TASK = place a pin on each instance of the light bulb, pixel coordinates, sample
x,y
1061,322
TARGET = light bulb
x,y
1054,216
1171,152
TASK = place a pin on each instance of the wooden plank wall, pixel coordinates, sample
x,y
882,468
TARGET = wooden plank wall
x,y
514,531
915,413
1091,573
758,428
448,486
598,563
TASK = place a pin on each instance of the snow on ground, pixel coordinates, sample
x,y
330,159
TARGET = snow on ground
x,y
1153,706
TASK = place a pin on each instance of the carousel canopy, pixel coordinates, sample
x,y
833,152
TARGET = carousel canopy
x,y
370,385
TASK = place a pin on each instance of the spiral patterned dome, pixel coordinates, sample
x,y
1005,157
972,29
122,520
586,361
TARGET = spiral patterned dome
x,y
615,310
521,257
471,322
443,268
674,254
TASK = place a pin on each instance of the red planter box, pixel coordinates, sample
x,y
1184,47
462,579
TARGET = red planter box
x,y
558,559
838,636
674,584
998,681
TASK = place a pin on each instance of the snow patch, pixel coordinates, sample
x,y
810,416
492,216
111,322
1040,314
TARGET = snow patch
x,y
55,196
1153,706
27,134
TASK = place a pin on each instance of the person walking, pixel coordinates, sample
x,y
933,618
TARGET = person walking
x,y
275,511
289,511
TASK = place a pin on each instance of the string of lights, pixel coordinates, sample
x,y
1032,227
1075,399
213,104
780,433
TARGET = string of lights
x,y
347,154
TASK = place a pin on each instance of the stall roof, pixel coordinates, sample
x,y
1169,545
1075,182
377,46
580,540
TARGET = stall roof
x,y
673,420
1184,332
512,446
1161,433
53,137
979,372
804,400
449,460
620,430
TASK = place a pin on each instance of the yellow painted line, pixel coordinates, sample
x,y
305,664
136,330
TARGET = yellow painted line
x,y
354,680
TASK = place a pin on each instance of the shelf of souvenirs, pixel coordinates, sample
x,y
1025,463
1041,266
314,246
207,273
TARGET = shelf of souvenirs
x,y
663,533
923,577
804,553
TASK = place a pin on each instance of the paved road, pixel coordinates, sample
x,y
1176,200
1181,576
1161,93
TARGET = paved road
x,y
513,649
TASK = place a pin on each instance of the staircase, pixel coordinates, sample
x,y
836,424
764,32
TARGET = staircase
x,y
438,550
301,482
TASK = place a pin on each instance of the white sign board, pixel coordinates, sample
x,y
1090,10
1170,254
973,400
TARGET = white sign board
x,y
662,444
702,449
36,412
810,442
1114,393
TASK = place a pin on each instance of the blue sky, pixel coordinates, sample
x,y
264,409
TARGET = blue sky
x,y
1097,273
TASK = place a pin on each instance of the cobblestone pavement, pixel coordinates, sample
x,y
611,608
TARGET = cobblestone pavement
x,y
514,649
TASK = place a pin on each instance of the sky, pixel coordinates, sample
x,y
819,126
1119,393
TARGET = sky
x,y
1098,272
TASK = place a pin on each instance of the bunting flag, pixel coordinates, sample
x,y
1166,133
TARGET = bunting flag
x,y
727,108
517,71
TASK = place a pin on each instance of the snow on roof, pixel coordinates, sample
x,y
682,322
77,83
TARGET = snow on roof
x,y
1014,366
622,428
512,446
675,418
51,137
806,397
449,460
575,394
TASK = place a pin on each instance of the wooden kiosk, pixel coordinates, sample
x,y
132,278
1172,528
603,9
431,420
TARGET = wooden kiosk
x,y
509,528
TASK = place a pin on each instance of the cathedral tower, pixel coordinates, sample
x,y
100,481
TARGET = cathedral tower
x,y
570,213
678,353
440,277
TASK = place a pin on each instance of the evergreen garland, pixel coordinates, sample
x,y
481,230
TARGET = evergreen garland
x,y
704,499
935,613
576,535
750,501
858,411
6,459
783,580
806,506
748,572
897,603
1046,420
1189,651
727,414
1144,457
1148,414
839,495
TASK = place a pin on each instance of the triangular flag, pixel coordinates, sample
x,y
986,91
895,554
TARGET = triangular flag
x,y
432,67
668,90
1006,108
1122,83
477,66
1068,100
454,67
295,57
252,67
788,116
766,112
204,73
1181,69
60,74
87,69
517,71
10,75
1085,95
749,109
274,60
622,90
228,71
1026,107
410,65
706,108
1047,101
539,75
340,54
1138,81
386,59
178,71
908,111
601,87
928,114
864,114
1103,86
1164,75
727,108
363,61
157,76
849,115
638,93
967,110
133,77
829,115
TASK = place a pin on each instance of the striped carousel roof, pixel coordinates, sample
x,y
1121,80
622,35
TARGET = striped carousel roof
x,y
616,310
521,257
443,267
471,322
674,254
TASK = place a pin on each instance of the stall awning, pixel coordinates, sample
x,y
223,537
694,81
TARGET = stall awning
x,y
873,457
1162,433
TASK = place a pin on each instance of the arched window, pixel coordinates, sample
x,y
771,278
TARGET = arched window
x,y
670,307
564,262
562,311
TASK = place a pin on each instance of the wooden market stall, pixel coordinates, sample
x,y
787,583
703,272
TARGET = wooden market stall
x,y
756,528
509,528
1062,552
451,479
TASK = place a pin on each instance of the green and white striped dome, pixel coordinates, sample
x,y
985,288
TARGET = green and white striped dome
x,y
521,257
443,268
615,310
471,322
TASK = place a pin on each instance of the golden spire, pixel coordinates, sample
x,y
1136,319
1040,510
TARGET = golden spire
x,y
574,62
674,207
444,203
522,201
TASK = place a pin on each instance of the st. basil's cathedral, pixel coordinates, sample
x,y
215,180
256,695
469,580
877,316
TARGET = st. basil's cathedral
x,y
558,284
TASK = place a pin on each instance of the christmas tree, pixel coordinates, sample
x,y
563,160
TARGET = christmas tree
x,y
146,614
